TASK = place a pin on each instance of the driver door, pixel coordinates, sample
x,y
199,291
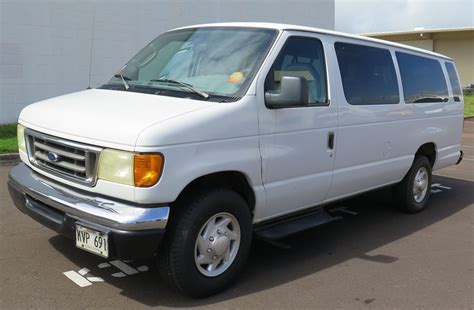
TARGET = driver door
x,y
296,142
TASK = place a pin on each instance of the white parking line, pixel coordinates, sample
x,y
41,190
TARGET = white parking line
x,y
440,186
124,267
81,280
83,271
103,265
142,268
77,278
118,274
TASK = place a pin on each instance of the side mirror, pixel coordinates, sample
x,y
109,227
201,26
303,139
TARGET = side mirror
x,y
293,92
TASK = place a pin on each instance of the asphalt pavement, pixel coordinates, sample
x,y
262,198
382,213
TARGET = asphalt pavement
x,y
375,257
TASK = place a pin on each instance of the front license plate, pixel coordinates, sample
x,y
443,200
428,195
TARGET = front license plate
x,y
92,241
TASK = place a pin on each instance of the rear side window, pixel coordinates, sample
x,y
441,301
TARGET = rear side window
x,y
453,79
367,73
422,79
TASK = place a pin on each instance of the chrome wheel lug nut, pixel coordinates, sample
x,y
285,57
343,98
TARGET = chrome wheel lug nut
x,y
211,239
209,250
219,231
214,257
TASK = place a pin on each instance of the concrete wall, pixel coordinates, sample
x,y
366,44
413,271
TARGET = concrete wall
x,y
462,51
424,44
45,46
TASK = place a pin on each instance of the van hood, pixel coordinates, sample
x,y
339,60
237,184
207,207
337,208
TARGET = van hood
x,y
107,118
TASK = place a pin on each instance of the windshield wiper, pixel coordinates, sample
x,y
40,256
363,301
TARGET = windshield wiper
x,y
124,80
185,85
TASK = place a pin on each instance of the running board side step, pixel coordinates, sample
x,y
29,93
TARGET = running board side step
x,y
279,229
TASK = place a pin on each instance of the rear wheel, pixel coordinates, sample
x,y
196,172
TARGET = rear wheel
x,y
207,243
414,191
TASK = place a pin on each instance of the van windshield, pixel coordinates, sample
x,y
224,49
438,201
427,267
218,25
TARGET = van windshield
x,y
219,61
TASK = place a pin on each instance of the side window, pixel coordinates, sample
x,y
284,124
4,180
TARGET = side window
x,y
453,79
368,74
422,79
301,57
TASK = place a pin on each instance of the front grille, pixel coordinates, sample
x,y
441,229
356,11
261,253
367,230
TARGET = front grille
x,y
71,160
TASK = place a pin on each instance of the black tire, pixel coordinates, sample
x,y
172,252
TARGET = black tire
x,y
175,257
404,192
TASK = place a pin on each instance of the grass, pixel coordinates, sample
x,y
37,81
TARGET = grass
x,y
469,105
8,142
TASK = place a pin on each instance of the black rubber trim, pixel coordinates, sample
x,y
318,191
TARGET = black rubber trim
x,y
461,155
297,222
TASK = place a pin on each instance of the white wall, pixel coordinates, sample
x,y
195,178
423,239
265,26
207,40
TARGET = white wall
x,y
45,45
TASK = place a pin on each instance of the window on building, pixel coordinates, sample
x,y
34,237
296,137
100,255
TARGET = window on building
x,y
304,57
422,79
368,74
453,79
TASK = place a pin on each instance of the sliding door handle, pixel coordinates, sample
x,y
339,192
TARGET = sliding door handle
x,y
331,140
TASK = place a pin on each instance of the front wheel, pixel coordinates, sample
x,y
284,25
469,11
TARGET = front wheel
x,y
413,192
207,243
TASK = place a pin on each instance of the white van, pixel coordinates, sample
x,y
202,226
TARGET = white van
x,y
214,133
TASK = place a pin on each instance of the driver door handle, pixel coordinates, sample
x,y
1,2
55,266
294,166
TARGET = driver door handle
x,y
331,140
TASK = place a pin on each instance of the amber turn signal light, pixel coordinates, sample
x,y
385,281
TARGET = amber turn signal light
x,y
147,169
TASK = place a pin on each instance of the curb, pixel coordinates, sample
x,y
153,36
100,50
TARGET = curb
x,y
9,158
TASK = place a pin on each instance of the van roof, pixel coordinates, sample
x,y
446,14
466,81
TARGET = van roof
x,y
283,27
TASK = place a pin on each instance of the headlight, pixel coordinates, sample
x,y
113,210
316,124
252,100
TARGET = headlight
x,y
116,166
141,170
20,135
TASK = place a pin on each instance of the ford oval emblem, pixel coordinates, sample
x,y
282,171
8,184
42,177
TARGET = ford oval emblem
x,y
53,156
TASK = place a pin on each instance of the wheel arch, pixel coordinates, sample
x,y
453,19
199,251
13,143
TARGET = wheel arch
x,y
234,180
429,150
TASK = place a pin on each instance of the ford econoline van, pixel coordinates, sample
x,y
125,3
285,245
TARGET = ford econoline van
x,y
215,133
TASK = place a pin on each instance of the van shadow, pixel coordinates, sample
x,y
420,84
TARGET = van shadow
x,y
376,224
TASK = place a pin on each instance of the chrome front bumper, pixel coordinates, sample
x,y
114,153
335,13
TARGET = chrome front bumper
x,y
86,206
135,230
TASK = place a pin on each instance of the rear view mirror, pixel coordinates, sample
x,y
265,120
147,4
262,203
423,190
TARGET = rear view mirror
x,y
293,92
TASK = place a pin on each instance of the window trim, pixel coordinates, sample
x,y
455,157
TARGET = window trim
x,y
325,103
399,85
456,98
